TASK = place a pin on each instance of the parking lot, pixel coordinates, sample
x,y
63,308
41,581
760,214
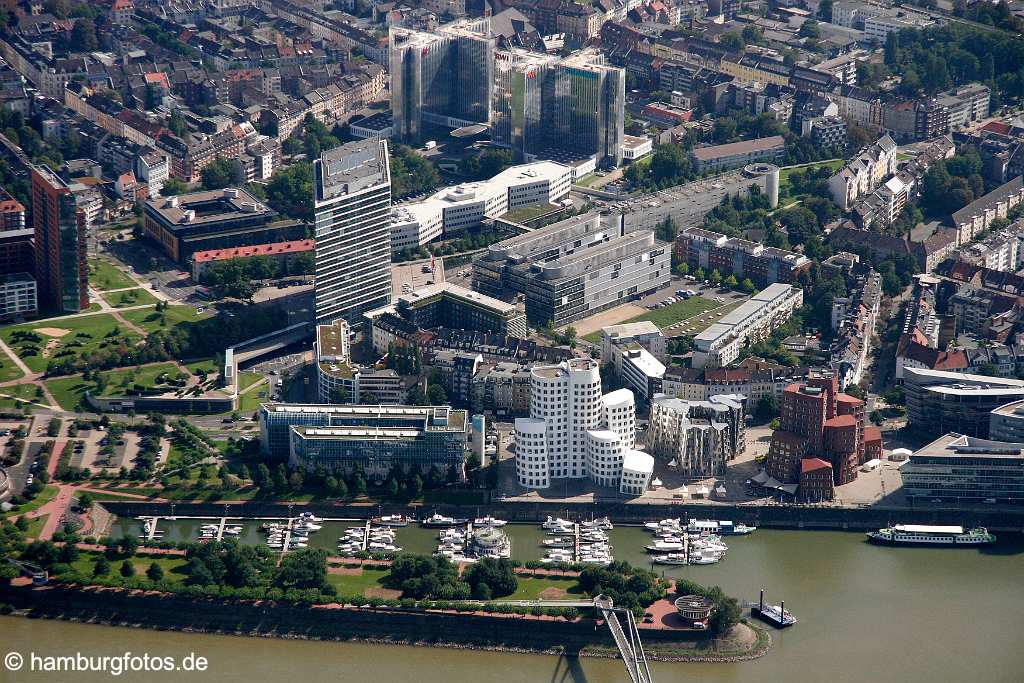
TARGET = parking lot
x,y
406,277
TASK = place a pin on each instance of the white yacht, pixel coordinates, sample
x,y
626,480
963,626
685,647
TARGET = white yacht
x,y
920,534
489,521
554,522
670,558
664,546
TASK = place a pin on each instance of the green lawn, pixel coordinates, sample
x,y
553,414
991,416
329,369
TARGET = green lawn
x,y
26,392
529,212
785,196
130,297
250,401
198,365
103,275
149,319
69,390
696,327
35,526
8,370
174,567
48,493
673,313
247,379
77,336
531,587
358,584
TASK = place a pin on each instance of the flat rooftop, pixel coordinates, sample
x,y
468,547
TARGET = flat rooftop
x,y
958,445
210,206
743,147
274,249
422,294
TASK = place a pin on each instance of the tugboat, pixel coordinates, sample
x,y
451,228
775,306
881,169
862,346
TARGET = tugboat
x,y
920,534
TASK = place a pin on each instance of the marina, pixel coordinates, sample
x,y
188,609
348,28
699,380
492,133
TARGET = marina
x,y
886,594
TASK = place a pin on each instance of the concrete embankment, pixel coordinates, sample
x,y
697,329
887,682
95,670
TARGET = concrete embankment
x,y
116,607
777,516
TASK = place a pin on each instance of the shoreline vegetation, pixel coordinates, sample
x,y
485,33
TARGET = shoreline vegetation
x,y
661,651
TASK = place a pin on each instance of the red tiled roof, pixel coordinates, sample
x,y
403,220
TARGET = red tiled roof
x,y
813,464
10,205
296,247
872,434
846,398
997,127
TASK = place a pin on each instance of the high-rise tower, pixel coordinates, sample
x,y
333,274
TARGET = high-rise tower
x,y
352,201
60,244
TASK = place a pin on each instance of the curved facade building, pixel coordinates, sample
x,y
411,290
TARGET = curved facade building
x,y
573,431
532,469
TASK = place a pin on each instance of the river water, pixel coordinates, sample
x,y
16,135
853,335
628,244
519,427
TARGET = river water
x,y
866,613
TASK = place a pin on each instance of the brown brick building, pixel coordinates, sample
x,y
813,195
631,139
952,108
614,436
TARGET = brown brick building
x,y
816,480
817,421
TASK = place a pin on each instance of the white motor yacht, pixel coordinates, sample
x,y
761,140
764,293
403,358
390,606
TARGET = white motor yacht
x,y
489,521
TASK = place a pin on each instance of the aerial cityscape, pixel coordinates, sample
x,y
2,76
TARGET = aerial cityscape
x,y
569,340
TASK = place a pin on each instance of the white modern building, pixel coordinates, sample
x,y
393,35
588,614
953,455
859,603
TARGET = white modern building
x,y
864,173
464,206
645,333
18,296
574,432
352,201
753,321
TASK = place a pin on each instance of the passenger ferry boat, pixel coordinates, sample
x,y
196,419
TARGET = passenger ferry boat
x,y
920,534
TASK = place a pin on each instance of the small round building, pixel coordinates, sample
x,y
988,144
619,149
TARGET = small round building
x,y
695,610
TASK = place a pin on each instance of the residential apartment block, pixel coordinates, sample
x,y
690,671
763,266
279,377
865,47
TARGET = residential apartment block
x,y
701,248
751,322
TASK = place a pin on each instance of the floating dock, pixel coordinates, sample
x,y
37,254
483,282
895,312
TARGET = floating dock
x,y
776,615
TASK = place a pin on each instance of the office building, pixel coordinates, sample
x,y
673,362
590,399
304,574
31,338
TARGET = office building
x,y
574,268
61,235
18,298
450,306
644,333
701,248
460,207
817,420
817,483
442,78
352,201
737,154
963,469
753,321
1006,423
376,438
641,371
697,437
339,380
574,432
212,220
440,431
281,253
940,401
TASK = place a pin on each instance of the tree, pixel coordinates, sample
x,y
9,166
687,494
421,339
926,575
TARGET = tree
x,y
732,41
683,269
102,566
173,186
155,572
305,568
127,569
810,29
85,500
715,277
219,173
83,35
731,282
748,285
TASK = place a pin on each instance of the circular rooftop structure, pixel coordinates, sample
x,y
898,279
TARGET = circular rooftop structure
x,y
694,607
759,169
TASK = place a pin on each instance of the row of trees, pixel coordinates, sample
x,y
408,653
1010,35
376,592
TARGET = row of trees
x,y
420,577
238,277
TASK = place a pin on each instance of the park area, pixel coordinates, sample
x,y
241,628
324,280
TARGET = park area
x,y
156,378
663,317
151,320
104,276
39,343
129,297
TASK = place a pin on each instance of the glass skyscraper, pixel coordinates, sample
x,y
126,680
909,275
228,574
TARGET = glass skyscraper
x,y
60,244
441,78
352,188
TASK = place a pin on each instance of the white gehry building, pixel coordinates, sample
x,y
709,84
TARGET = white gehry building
x,y
575,432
